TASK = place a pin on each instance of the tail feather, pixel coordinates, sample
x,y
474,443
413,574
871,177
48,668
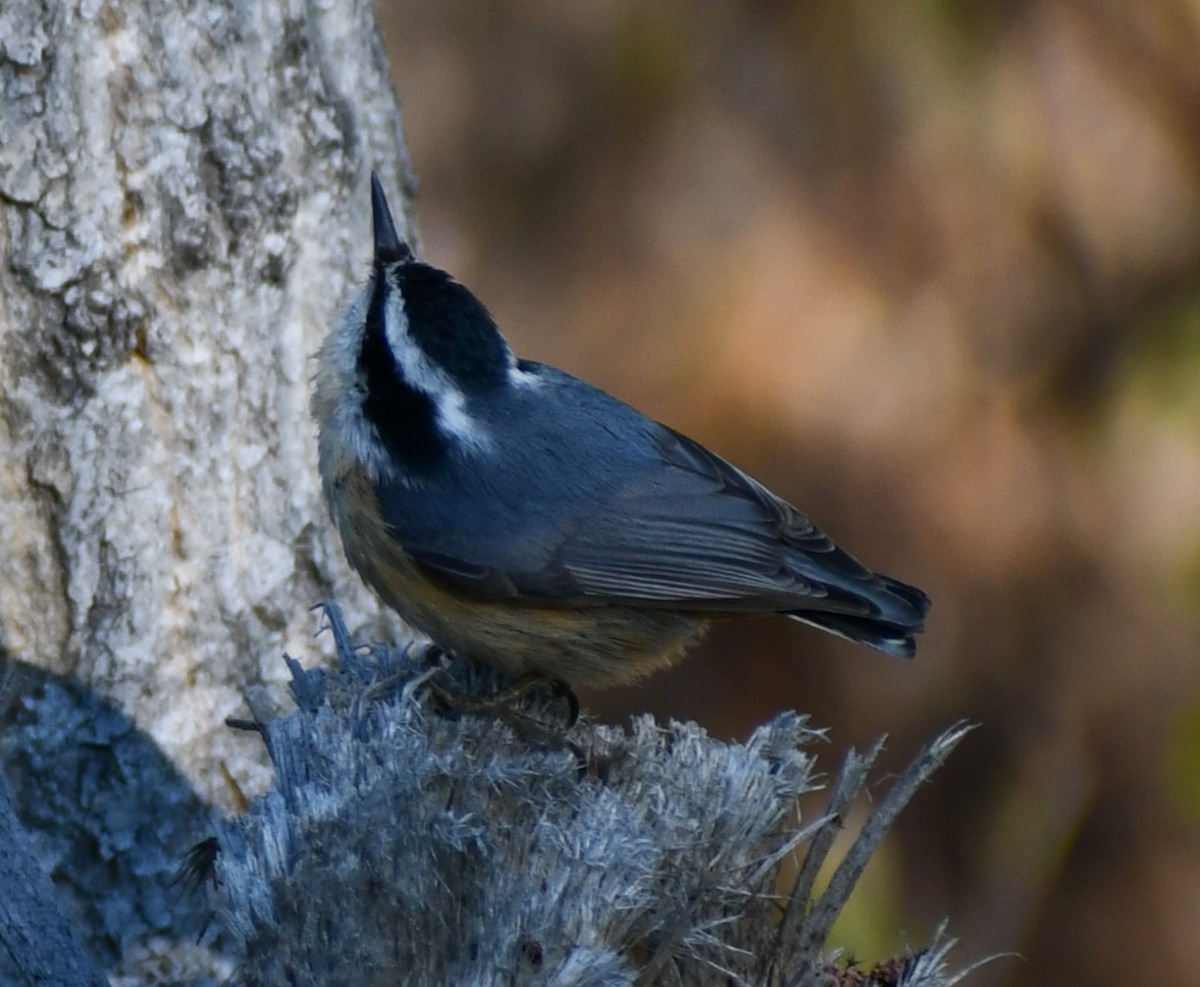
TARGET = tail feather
x,y
914,597
893,635
888,638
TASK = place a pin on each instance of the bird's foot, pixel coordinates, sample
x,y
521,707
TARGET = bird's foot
x,y
505,706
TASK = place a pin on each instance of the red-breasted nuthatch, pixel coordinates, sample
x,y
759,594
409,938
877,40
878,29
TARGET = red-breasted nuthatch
x,y
520,516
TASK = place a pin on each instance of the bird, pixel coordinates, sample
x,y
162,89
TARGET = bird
x,y
522,517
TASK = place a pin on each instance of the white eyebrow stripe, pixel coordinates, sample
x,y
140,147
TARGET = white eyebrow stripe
x,y
523,378
453,418
450,403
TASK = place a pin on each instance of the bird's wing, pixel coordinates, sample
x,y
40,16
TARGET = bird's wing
x,y
688,532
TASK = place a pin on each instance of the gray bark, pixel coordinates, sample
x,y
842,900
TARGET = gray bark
x,y
183,205
109,817
35,937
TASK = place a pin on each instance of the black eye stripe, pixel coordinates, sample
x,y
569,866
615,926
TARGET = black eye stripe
x,y
405,417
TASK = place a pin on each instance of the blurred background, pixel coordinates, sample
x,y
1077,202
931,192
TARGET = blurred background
x,y
931,270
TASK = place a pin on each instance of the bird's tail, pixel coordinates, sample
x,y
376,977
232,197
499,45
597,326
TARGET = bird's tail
x,y
890,632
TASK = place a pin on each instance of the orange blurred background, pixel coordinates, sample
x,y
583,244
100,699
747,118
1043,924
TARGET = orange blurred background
x,y
930,269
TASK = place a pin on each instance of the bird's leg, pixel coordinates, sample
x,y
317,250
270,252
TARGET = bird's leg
x,y
510,695
502,707
527,683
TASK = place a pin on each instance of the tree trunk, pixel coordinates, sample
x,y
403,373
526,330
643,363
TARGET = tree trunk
x,y
183,208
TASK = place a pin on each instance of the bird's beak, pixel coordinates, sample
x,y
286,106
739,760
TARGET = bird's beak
x,y
389,248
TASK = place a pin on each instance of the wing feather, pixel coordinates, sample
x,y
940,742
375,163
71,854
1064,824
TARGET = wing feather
x,y
687,531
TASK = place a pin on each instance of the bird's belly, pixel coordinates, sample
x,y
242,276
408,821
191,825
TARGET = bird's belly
x,y
587,647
